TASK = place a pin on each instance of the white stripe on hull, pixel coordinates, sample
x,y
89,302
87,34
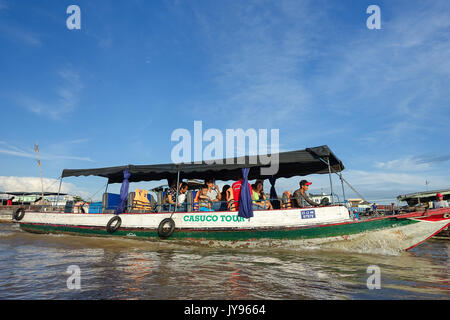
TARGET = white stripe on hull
x,y
261,219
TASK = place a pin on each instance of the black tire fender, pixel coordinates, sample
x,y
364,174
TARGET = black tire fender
x,y
19,214
165,232
111,227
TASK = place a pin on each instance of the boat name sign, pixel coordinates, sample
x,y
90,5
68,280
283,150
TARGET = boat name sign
x,y
213,218
308,214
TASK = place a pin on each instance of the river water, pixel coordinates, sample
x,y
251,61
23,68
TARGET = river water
x,y
35,267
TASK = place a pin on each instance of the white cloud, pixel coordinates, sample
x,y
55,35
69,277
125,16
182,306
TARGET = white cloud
x,y
255,61
403,164
19,35
280,63
67,96
397,76
33,184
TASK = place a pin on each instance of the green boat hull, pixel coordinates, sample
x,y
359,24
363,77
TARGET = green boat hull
x,y
310,232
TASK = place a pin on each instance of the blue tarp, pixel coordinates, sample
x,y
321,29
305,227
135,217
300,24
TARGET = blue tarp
x,y
245,201
123,193
112,201
95,207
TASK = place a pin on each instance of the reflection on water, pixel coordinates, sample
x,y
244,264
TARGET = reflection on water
x,y
34,267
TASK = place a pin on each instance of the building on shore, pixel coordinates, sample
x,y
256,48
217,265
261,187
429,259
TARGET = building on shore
x,y
358,203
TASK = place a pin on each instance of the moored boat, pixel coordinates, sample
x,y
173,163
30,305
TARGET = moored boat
x,y
29,201
290,228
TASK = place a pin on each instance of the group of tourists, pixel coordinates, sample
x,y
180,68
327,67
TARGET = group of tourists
x,y
210,198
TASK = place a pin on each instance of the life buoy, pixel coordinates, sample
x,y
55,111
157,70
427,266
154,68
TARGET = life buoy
x,y
447,215
19,214
111,227
165,231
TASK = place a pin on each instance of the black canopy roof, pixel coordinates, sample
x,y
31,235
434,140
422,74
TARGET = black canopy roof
x,y
292,163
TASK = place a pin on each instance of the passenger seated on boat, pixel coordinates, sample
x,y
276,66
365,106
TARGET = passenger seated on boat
x,y
182,194
169,200
230,200
286,201
213,194
182,203
224,206
259,198
300,196
440,202
172,198
262,194
257,205
204,201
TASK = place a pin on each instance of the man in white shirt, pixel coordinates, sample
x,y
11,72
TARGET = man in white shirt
x,y
213,194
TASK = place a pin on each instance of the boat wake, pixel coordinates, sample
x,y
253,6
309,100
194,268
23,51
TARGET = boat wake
x,y
380,247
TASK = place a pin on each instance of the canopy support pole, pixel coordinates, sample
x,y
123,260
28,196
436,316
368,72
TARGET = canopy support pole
x,y
331,183
59,191
342,184
329,169
354,190
178,191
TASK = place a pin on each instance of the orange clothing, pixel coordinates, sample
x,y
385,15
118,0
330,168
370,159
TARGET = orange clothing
x,y
230,200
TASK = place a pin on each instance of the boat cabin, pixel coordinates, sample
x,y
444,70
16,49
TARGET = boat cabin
x,y
317,160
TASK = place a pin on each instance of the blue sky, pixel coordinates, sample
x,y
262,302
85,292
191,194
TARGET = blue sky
x,y
113,92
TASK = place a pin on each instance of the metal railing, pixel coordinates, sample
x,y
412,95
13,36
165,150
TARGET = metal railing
x,y
144,207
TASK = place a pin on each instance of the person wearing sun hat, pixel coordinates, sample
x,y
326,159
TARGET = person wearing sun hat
x,y
440,202
300,198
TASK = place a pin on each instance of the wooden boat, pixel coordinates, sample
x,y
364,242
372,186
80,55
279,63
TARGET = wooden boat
x,y
7,211
427,198
291,228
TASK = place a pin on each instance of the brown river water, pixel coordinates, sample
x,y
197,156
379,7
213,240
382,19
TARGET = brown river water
x,y
35,266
